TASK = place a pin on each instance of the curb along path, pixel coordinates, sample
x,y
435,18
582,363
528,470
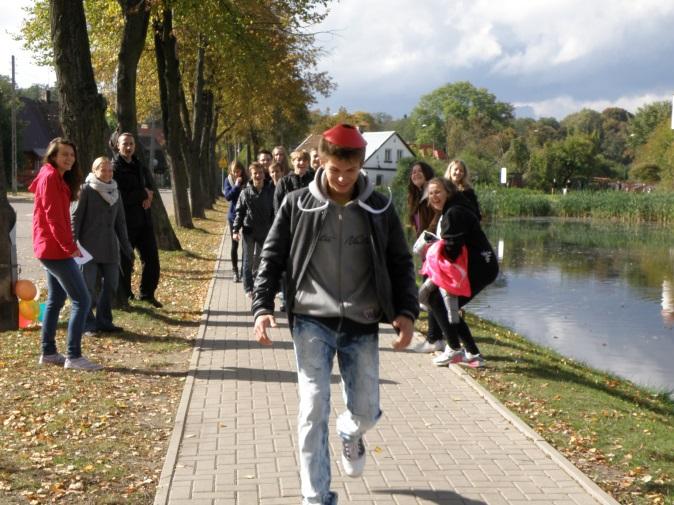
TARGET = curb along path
x,y
442,440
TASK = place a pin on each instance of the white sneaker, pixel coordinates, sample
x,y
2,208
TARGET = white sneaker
x,y
52,359
448,357
353,457
81,363
424,346
472,360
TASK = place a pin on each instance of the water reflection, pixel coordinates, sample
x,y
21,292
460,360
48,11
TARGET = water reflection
x,y
667,305
600,293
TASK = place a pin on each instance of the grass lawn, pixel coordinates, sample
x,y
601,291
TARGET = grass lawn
x,y
100,438
619,435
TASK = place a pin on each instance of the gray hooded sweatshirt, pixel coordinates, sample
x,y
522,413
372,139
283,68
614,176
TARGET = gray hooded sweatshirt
x,y
339,280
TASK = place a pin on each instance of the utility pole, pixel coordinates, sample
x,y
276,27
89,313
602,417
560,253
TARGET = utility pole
x,y
14,169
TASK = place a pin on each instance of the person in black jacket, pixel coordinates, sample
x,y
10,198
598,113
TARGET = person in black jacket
x,y
254,216
299,178
137,189
348,268
459,226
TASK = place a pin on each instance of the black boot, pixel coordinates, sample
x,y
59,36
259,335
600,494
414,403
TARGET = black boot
x,y
237,274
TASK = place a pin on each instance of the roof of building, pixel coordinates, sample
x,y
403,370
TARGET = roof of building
x,y
376,139
38,122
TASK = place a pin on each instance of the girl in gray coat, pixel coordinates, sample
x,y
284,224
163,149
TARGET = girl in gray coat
x,y
100,227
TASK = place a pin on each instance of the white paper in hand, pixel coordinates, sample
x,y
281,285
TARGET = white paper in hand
x,y
86,255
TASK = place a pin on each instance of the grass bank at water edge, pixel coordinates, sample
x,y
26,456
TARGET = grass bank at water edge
x,y
620,435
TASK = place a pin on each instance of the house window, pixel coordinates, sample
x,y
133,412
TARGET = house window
x,y
399,154
380,179
387,156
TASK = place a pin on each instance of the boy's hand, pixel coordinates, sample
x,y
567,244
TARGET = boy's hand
x,y
261,324
404,327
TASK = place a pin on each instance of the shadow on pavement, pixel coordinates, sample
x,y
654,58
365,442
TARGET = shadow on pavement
x,y
259,375
440,497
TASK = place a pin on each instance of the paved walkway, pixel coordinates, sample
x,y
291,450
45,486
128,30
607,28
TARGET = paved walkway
x,y
443,439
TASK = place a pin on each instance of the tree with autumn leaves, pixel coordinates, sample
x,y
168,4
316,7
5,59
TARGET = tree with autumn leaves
x,y
213,71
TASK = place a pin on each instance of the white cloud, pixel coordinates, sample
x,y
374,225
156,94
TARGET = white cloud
x,y
561,106
553,52
27,72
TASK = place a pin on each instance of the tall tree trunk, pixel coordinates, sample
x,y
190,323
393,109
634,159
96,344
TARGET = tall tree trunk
x,y
215,185
168,71
205,151
196,167
136,21
81,107
9,313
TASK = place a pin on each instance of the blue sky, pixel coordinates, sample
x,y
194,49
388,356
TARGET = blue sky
x,y
547,57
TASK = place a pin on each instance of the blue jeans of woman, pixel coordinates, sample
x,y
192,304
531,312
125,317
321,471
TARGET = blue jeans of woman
x,y
316,344
109,273
64,280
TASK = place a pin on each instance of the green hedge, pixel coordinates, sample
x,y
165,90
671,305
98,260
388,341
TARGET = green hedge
x,y
656,207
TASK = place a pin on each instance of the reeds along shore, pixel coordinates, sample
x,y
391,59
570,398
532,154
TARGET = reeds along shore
x,y
656,207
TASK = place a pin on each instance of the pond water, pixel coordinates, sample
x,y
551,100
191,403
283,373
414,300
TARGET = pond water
x,y
602,294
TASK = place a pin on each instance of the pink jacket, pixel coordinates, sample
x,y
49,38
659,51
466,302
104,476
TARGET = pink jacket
x,y
52,232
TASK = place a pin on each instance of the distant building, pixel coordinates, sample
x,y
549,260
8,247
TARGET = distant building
x,y
37,124
383,151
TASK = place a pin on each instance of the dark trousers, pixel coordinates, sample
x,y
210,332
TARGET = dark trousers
x,y
234,250
451,331
144,240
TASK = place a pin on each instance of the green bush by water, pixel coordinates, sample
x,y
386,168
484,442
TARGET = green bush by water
x,y
657,207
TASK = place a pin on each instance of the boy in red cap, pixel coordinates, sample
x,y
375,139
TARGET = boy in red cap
x,y
348,268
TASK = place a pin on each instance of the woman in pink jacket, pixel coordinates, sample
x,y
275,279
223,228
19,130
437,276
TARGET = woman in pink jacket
x,y
55,186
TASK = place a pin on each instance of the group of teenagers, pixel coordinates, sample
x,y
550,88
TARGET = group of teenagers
x,y
84,235
446,208
255,196
337,251
320,235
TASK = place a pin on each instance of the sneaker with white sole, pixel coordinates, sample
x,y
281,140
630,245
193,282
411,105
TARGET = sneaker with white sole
x,y
353,457
81,363
424,346
52,359
472,360
448,357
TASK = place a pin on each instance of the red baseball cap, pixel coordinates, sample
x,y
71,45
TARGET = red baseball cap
x,y
345,135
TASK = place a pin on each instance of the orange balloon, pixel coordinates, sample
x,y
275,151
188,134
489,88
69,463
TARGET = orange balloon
x,y
25,289
29,309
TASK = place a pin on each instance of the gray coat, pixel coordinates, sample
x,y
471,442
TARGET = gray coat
x,y
101,227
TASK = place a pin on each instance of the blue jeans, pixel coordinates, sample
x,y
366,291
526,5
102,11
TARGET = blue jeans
x,y
251,260
358,356
64,279
109,282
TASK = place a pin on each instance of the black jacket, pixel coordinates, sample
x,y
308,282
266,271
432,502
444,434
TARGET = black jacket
x,y
255,211
471,196
291,242
460,226
132,180
289,183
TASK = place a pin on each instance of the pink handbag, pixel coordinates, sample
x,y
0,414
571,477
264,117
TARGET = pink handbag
x,y
452,276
